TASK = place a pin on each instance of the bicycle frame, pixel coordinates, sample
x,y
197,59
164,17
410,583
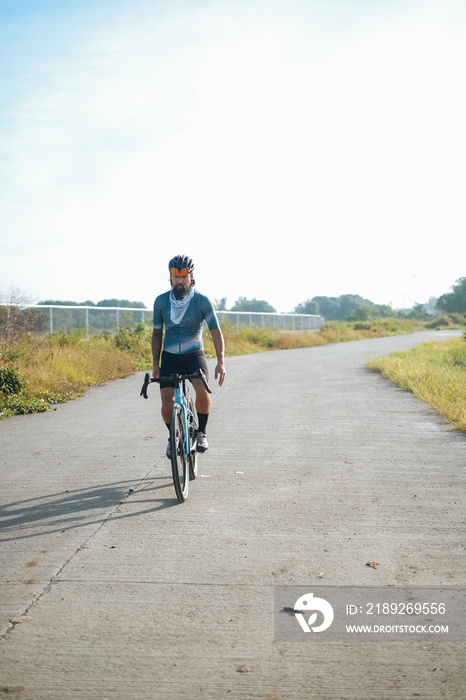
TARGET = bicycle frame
x,y
183,409
180,394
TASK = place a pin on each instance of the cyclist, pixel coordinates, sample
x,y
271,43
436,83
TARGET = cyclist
x,y
182,311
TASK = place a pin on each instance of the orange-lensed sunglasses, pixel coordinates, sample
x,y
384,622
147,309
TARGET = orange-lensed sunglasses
x,y
179,273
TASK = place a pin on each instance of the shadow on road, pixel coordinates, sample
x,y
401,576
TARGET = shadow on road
x,y
71,509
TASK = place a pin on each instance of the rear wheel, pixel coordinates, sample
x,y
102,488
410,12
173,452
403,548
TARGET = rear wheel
x,y
179,458
192,427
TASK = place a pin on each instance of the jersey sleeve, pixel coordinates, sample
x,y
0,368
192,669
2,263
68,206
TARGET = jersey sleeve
x,y
158,313
209,314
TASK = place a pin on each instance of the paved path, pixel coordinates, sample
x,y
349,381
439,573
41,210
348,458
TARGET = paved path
x,y
316,467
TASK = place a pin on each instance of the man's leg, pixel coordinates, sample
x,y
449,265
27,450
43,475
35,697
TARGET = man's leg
x,y
168,399
202,410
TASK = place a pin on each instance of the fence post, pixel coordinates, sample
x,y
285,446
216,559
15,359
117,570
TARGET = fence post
x,y
50,320
87,323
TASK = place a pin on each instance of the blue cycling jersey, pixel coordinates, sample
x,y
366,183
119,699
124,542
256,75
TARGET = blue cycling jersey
x,y
186,336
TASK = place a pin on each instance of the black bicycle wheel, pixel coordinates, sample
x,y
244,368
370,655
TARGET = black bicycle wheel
x,y
178,453
192,427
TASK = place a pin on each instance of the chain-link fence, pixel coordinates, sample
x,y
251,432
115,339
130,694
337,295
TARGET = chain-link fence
x,y
282,322
95,319
59,318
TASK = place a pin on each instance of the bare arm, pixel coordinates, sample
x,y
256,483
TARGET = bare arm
x,y
157,335
219,346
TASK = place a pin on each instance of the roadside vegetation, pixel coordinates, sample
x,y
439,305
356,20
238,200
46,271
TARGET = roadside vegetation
x,y
434,372
246,340
38,371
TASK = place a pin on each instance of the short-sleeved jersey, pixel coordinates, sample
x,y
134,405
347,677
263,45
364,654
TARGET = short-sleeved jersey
x,y
186,336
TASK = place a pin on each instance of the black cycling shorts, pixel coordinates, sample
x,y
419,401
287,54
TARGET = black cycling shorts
x,y
176,364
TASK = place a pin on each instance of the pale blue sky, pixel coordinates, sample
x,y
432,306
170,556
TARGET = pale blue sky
x,y
292,147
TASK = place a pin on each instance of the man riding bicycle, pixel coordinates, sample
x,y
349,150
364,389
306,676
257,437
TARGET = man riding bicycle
x,y
182,311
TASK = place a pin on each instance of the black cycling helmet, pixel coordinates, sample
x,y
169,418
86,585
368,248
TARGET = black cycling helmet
x,y
181,262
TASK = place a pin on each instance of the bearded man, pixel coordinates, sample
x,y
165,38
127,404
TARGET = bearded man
x,y
182,311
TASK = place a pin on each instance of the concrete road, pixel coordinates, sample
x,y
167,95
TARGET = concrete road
x,y
111,589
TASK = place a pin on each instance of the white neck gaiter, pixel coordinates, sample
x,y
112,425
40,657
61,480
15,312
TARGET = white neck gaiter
x,y
178,307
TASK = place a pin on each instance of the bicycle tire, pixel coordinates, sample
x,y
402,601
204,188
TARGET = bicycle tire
x,y
192,427
179,460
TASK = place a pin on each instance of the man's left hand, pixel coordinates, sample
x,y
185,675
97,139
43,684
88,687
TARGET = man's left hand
x,y
220,372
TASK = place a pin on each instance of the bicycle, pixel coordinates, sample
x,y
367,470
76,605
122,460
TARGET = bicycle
x,y
183,430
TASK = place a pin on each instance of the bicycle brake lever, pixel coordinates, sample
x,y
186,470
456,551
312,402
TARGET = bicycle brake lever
x,y
204,381
145,385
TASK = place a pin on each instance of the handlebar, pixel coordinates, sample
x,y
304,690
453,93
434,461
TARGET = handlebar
x,y
177,378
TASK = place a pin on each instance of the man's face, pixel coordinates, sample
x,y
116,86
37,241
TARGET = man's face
x,y
181,284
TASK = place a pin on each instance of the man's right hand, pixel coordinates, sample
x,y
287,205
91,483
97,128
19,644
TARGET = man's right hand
x,y
156,371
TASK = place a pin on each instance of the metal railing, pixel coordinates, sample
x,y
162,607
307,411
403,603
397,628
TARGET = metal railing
x,y
282,322
91,319
95,319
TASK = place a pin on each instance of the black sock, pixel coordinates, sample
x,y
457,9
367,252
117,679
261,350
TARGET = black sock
x,y
168,425
202,418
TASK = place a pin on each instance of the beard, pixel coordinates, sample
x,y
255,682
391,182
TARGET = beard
x,y
179,291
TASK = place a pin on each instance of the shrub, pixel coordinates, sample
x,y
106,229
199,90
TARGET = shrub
x,y
19,405
13,398
11,381
447,321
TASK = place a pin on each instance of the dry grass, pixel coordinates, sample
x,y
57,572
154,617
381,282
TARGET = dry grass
x,y
58,369
434,372
55,369
248,340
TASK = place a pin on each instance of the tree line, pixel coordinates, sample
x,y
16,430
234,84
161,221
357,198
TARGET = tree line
x,y
346,306
352,307
455,300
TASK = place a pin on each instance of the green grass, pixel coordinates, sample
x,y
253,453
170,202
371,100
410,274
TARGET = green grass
x,y
37,372
434,372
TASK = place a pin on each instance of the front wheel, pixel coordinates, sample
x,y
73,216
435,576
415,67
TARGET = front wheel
x,y
179,458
